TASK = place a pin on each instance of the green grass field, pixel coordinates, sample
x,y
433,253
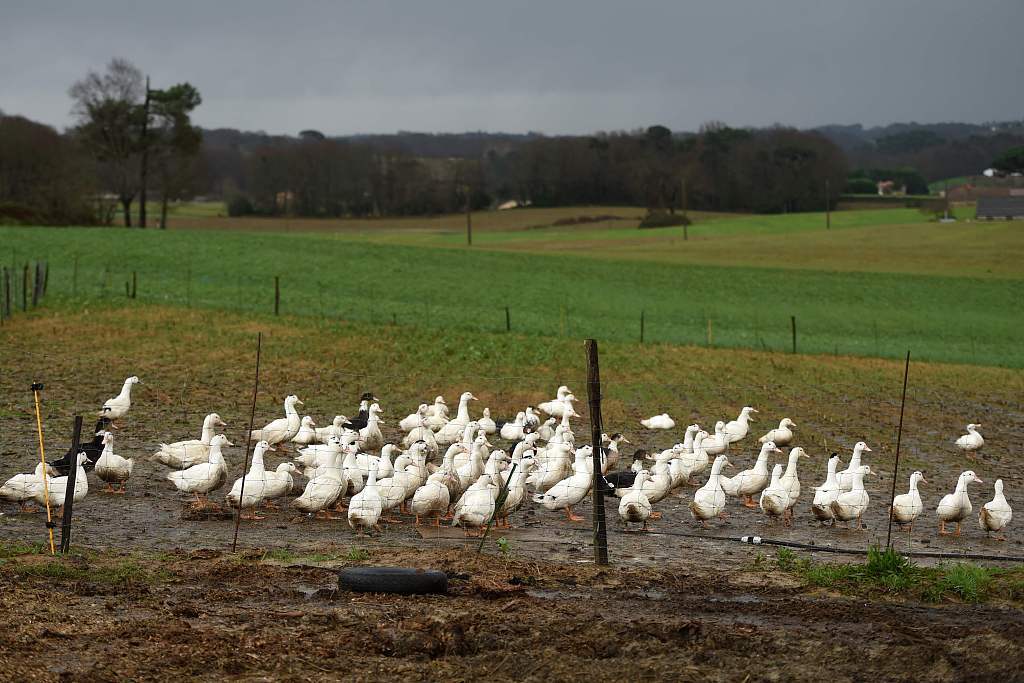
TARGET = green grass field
x,y
877,284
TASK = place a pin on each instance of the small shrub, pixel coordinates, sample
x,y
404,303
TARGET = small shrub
x,y
968,582
786,559
357,555
660,219
239,205
503,546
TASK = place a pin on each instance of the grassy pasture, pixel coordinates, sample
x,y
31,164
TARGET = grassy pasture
x,y
553,291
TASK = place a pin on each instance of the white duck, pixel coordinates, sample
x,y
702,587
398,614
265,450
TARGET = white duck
x,y
781,435
336,427
181,454
957,505
307,432
907,506
22,487
439,408
282,429
851,505
790,479
821,505
370,436
971,441
560,408
571,490
775,498
111,467
280,482
750,482
717,442
515,483
56,489
470,470
634,506
552,468
421,433
662,421
996,514
118,407
318,455
513,431
432,498
365,508
845,478
452,429
476,506
546,430
255,484
737,429
655,487
556,407
413,420
486,423
202,478
709,500
326,485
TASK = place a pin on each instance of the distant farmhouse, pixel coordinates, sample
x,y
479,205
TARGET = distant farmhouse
x,y
1006,208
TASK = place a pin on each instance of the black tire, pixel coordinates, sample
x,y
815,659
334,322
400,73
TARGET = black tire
x,y
400,580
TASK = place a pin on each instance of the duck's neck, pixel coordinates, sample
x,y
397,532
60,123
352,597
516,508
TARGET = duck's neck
x,y
108,448
858,482
207,432
716,472
854,460
371,478
289,409
688,439
216,457
126,390
762,460
257,462
913,485
463,415
830,478
961,485
791,465
743,418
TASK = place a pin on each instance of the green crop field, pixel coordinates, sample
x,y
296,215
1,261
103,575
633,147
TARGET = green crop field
x,y
877,284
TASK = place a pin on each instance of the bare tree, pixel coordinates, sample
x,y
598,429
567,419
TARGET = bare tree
x,y
106,108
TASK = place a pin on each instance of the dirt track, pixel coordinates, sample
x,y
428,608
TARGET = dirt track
x,y
209,617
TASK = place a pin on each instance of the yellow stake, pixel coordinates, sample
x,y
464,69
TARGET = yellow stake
x,y
42,458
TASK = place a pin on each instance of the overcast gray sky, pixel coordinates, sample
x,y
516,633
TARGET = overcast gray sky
x,y
557,67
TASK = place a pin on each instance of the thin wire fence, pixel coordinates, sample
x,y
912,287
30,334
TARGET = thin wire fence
x,y
684,318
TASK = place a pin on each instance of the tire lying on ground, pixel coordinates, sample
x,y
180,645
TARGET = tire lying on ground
x,y
400,580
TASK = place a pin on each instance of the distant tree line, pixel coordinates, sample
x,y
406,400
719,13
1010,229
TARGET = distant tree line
x,y
132,143
719,168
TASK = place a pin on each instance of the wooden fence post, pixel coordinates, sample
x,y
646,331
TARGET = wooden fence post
x,y
74,278
508,320
792,322
277,295
69,500
135,283
36,284
641,326
596,427
7,292
46,276
24,289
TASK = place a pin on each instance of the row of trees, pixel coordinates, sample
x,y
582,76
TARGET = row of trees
x,y
720,168
128,139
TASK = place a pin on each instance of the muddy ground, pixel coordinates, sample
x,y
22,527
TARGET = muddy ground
x,y
682,601
211,616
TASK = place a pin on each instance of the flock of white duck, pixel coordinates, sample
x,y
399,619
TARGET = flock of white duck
x,y
446,466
